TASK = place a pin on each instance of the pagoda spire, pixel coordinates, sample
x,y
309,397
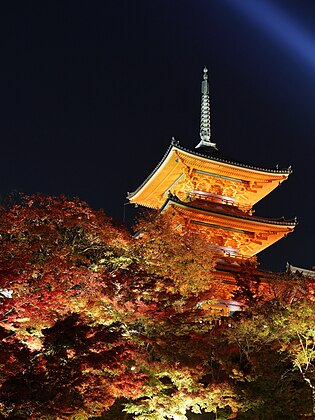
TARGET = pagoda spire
x,y
205,126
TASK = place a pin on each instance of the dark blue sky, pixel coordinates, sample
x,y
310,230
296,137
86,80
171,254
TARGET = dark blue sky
x,y
92,92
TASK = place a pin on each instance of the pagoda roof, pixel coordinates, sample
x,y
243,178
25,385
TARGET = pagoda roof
x,y
251,233
300,271
229,211
208,161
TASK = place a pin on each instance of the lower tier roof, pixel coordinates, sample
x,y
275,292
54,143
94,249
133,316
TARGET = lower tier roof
x,y
234,232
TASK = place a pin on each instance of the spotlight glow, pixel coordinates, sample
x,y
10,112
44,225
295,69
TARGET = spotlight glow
x,y
279,24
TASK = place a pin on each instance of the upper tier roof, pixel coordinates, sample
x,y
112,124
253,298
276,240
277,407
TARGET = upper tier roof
x,y
182,169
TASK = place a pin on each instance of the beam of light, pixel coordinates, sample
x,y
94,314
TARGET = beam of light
x,y
273,20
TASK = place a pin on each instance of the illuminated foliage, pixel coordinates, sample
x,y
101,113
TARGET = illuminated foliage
x,y
271,356
90,315
93,320
181,257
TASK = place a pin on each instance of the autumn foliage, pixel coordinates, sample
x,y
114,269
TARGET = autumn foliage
x,y
95,320
90,315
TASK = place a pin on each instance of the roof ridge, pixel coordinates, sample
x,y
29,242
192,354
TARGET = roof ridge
x,y
244,165
290,222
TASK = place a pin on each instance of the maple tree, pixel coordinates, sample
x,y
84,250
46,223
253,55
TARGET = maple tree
x,y
95,320
271,349
57,256
90,315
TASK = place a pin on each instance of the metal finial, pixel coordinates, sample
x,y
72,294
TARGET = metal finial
x,y
205,127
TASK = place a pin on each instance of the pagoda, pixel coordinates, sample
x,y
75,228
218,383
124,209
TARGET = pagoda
x,y
205,191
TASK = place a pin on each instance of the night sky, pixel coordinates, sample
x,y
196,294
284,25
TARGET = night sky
x,y
93,91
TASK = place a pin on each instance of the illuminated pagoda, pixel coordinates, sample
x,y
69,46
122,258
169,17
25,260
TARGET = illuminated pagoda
x,y
214,195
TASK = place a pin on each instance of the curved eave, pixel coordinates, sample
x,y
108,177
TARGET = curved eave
x,y
132,194
290,224
151,193
252,234
149,187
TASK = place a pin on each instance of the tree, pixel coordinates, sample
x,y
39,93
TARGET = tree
x,y
296,331
181,257
96,321
91,316
58,258
271,357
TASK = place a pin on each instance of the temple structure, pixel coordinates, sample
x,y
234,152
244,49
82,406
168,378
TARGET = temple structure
x,y
205,191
